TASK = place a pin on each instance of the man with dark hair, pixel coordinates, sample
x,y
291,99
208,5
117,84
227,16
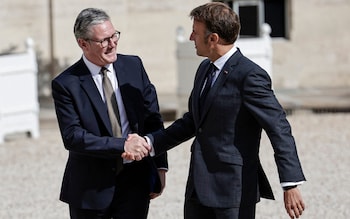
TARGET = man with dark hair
x,y
230,103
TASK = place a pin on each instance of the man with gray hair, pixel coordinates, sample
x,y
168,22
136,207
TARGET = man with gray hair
x,y
99,100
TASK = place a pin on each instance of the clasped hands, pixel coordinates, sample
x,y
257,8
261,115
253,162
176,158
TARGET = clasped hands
x,y
135,148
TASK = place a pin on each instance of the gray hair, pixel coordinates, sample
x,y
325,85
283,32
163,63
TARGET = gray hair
x,y
87,18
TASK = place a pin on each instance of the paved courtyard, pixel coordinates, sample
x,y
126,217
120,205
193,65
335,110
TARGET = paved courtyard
x,y
31,172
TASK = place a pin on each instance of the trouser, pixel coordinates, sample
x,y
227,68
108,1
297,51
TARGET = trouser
x,y
194,209
130,201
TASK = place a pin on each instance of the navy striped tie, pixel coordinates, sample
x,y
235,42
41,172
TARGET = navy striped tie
x,y
208,83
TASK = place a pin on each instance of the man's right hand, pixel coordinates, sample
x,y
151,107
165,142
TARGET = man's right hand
x,y
135,148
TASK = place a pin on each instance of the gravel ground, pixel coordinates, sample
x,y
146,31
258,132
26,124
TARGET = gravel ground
x,y
31,172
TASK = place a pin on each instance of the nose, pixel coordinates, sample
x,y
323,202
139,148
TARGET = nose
x,y
192,37
111,42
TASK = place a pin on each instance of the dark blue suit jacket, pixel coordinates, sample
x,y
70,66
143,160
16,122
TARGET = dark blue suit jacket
x,y
225,169
90,174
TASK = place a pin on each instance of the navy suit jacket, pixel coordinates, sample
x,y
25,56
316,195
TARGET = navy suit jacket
x,y
225,169
90,175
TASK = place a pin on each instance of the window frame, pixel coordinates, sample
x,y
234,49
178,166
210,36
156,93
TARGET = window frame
x,y
235,4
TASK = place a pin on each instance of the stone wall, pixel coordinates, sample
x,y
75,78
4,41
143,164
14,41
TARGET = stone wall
x,y
315,55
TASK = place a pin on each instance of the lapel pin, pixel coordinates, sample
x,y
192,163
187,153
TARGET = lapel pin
x,y
225,72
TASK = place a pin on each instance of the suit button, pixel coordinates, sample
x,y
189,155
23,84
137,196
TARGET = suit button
x,y
200,130
114,169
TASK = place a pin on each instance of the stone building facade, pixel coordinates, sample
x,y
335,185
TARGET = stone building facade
x,y
315,54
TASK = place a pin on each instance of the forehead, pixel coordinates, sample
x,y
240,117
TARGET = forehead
x,y
198,26
104,29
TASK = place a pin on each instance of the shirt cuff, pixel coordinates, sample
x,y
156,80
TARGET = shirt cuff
x,y
291,184
163,168
152,153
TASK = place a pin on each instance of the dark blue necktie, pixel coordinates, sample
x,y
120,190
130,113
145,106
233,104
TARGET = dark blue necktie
x,y
208,82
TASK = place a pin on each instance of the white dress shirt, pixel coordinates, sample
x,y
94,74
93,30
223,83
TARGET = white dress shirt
x,y
97,77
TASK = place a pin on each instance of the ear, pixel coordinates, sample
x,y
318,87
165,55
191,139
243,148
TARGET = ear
x,y
82,43
214,38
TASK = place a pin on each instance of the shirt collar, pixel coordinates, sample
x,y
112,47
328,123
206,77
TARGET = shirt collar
x,y
220,62
95,69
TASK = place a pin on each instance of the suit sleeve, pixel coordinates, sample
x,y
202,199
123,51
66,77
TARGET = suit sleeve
x,y
260,100
76,135
179,131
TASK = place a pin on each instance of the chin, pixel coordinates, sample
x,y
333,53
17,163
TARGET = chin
x,y
112,58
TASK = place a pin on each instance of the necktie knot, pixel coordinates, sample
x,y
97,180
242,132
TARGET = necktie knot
x,y
212,68
104,71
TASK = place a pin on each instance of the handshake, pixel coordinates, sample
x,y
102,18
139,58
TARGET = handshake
x,y
135,148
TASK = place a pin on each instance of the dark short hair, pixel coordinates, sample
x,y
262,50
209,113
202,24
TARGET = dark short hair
x,y
218,18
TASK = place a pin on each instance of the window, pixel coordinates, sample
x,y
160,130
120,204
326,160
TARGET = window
x,y
253,13
276,16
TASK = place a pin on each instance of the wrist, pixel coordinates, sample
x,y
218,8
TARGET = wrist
x,y
286,188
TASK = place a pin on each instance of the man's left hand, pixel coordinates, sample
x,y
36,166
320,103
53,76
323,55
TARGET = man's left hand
x,y
293,203
161,173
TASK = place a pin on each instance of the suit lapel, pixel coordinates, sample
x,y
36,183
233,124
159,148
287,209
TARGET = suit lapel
x,y
198,85
123,76
88,85
225,72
